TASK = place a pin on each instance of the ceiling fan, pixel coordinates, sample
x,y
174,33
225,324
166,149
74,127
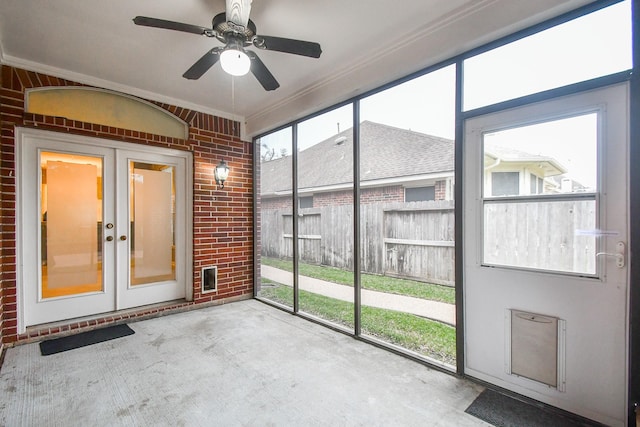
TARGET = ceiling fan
x,y
236,31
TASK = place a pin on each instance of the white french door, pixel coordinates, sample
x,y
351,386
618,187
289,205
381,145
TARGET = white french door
x,y
102,226
545,233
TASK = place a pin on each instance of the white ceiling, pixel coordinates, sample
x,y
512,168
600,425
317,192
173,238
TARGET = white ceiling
x,y
365,43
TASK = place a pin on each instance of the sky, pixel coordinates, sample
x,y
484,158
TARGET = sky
x,y
590,46
425,104
571,141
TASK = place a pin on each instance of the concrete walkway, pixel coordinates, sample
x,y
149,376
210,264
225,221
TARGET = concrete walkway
x,y
434,310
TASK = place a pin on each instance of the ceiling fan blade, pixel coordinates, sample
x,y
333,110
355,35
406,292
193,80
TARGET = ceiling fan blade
x,y
238,12
262,73
297,47
203,64
171,25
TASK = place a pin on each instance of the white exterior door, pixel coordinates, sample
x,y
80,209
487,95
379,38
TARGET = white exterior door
x,y
545,233
102,226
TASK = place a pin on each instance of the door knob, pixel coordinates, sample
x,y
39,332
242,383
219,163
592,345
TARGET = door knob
x,y
109,238
123,238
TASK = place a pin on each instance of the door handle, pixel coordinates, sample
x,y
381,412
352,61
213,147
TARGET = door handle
x,y
619,255
123,238
109,238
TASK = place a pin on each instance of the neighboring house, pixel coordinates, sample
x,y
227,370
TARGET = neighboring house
x,y
399,165
396,165
510,172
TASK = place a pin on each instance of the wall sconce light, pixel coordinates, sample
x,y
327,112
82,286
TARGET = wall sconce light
x,y
221,173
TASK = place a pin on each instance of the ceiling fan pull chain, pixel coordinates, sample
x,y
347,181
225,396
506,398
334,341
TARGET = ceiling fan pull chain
x,y
233,104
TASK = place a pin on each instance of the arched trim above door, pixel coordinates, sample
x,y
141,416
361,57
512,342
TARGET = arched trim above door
x,y
104,107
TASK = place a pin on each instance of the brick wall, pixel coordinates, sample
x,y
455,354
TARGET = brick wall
x,y
222,220
441,190
369,195
276,202
382,194
334,198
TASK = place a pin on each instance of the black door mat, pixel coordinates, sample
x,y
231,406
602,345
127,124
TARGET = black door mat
x,y
504,411
83,339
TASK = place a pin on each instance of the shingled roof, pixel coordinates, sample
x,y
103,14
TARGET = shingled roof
x,y
385,152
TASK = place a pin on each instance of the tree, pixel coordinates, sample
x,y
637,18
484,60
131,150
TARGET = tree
x,y
267,153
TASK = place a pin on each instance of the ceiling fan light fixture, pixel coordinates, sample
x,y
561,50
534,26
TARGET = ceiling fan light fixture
x,y
236,31
235,62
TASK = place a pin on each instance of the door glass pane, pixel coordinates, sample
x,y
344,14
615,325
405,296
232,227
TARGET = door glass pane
x,y
548,235
71,224
152,234
276,217
546,176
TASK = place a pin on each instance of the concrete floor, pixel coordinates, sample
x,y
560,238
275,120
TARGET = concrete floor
x,y
241,364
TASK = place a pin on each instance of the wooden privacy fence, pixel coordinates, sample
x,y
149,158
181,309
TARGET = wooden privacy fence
x,y
410,240
416,240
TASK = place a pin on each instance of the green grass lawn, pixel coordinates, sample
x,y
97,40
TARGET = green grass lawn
x,y
426,337
370,281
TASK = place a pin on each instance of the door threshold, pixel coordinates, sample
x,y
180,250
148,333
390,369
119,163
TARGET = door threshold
x,y
78,324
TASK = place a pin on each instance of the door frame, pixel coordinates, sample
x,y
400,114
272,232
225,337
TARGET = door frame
x,y
474,225
64,138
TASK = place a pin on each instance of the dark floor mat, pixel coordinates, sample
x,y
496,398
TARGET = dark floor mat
x,y
83,339
504,411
